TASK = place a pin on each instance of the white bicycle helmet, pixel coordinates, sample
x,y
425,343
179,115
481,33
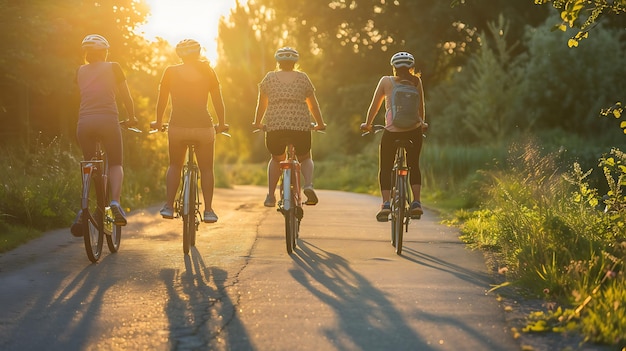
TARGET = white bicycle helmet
x,y
402,59
286,54
187,47
95,42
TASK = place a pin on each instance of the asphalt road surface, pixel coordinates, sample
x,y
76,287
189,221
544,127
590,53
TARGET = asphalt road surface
x,y
343,289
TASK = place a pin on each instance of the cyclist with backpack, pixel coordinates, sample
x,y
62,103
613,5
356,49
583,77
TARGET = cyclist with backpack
x,y
403,95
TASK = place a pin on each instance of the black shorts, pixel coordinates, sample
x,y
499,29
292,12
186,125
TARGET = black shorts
x,y
277,141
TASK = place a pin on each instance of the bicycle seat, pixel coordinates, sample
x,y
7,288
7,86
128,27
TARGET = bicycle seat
x,y
404,143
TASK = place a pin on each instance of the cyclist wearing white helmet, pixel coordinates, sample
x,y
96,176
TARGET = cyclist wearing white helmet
x,y
286,103
99,83
403,65
189,85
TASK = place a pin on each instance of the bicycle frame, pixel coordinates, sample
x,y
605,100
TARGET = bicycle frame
x,y
96,218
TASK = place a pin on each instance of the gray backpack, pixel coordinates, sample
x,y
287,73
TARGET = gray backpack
x,y
405,102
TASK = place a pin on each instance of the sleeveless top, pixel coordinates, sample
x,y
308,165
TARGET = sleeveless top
x,y
287,108
97,82
189,96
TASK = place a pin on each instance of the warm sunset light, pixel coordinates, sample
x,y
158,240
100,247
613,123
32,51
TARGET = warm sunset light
x,y
174,20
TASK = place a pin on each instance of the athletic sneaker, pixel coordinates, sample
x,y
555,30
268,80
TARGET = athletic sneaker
x,y
167,212
383,214
270,201
311,197
210,217
416,210
119,217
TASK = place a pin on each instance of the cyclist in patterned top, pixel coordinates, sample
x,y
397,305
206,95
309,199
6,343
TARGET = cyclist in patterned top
x,y
189,85
100,82
286,103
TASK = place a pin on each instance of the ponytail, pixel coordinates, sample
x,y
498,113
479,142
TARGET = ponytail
x,y
405,73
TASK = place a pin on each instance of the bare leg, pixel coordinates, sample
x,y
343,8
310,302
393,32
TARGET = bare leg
x,y
174,171
116,175
273,174
172,179
205,158
307,166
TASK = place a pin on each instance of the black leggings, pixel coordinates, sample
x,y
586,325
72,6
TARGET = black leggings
x,y
388,153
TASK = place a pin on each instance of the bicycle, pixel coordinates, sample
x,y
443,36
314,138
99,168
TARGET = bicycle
x,y
95,219
187,203
290,201
401,194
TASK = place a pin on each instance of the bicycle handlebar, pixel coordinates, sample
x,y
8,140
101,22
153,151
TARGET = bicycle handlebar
x,y
313,125
377,128
125,125
165,127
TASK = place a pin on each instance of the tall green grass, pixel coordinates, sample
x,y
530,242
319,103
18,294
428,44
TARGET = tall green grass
x,y
558,237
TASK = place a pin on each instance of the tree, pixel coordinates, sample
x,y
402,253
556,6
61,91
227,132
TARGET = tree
x,y
40,51
584,14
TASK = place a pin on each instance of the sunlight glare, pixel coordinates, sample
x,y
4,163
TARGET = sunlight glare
x,y
174,20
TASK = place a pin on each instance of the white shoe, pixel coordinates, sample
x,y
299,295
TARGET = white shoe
x,y
167,212
210,217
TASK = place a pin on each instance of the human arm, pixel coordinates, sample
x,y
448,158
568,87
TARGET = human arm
x,y
422,108
314,108
261,107
375,104
162,99
123,92
128,103
220,110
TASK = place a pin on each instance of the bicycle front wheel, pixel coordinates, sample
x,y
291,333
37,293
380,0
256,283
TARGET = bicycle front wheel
x,y
113,232
92,219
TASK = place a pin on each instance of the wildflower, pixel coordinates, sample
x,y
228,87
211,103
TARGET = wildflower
x,y
611,274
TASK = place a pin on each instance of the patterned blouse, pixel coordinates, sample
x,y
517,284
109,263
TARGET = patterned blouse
x,y
287,108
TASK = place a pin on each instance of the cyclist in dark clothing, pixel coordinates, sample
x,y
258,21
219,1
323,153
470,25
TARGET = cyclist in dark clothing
x,y
403,64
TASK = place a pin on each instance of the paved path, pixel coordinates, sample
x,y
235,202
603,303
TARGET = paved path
x,y
343,289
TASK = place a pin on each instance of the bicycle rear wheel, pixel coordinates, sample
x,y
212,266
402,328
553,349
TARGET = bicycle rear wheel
x,y
92,219
193,207
399,213
188,213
